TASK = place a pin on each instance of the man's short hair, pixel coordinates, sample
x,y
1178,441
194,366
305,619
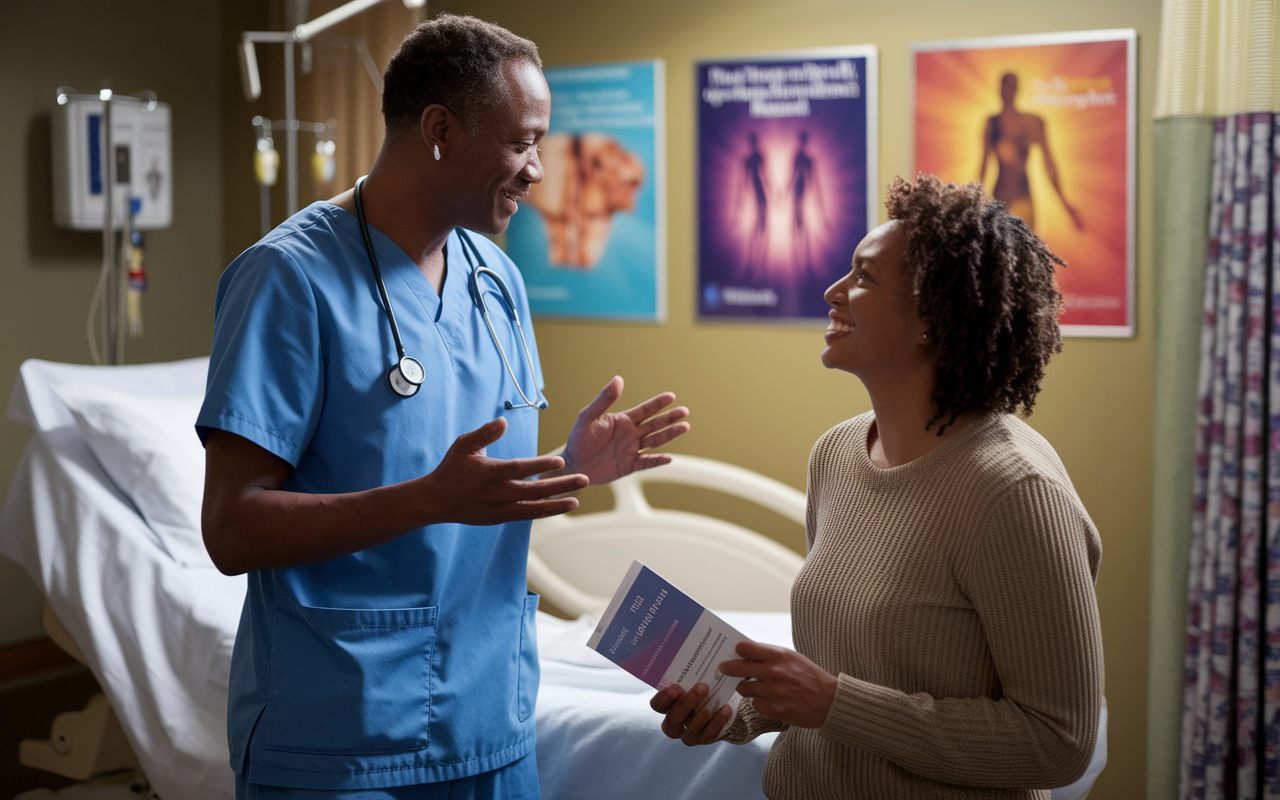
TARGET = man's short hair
x,y
455,61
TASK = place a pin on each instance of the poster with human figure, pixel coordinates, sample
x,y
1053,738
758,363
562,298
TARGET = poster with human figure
x,y
1046,124
590,239
786,180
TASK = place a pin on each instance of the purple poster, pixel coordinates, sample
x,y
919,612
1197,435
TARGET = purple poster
x,y
786,179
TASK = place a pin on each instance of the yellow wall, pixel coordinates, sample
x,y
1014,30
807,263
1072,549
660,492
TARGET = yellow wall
x,y
759,395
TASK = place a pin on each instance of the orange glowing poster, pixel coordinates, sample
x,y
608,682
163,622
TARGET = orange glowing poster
x,y
1046,122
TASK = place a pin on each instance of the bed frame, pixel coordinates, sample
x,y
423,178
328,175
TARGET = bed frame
x,y
576,561
81,744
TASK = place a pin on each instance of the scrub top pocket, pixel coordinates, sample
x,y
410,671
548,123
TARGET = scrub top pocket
x,y
349,680
527,667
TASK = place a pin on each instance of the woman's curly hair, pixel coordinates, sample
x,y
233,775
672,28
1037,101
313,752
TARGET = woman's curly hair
x,y
984,288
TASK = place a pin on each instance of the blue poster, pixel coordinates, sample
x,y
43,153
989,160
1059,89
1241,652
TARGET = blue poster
x,y
590,239
786,180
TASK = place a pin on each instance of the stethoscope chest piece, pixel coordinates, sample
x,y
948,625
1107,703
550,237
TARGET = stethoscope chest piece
x,y
406,376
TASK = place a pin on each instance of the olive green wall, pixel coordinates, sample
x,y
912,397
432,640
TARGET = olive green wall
x,y
759,395
47,275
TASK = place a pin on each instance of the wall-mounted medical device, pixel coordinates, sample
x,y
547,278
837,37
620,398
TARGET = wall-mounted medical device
x,y
141,161
113,172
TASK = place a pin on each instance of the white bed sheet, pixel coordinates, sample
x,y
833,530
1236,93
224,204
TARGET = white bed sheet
x,y
157,636
598,738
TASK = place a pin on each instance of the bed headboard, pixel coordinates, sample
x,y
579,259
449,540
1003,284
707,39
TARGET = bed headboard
x,y
576,561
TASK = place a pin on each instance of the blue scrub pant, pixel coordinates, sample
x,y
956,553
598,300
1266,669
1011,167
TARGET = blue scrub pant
x,y
516,781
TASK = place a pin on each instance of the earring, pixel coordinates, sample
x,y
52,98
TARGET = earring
x,y
924,337
436,150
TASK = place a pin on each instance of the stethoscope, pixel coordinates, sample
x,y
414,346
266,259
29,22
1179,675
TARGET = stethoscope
x,y
406,375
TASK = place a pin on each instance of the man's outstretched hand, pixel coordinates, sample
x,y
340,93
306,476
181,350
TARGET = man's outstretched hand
x,y
605,445
471,488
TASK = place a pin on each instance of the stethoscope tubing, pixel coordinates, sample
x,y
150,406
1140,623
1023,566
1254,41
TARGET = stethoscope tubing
x,y
404,385
373,261
478,297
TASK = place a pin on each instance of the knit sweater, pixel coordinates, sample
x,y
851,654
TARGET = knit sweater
x,y
953,597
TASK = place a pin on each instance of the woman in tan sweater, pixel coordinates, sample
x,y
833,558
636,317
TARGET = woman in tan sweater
x,y
946,630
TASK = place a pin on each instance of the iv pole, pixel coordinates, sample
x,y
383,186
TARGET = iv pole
x,y
252,82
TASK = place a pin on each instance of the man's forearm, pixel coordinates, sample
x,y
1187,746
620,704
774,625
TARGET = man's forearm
x,y
272,528
250,523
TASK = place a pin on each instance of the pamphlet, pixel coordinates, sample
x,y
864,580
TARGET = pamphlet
x,y
662,636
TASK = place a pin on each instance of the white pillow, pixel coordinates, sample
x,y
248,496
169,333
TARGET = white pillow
x,y
149,448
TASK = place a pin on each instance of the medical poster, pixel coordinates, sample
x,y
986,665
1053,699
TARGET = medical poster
x,y
590,239
1046,122
786,180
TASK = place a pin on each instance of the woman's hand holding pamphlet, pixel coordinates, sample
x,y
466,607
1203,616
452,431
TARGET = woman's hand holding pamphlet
x,y
662,636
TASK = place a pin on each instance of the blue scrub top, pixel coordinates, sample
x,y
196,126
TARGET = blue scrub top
x,y
414,661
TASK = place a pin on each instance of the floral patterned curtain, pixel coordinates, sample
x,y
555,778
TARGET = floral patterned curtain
x,y
1231,717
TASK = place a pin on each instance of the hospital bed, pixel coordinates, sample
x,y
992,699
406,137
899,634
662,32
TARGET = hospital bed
x,y
103,513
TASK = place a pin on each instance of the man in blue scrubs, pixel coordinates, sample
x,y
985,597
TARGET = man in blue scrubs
x,y
387,647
